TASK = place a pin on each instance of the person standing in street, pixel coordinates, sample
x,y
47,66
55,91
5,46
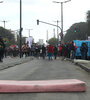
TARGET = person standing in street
x,y
2,49
50,51
72,50
43,52
55,52
24,50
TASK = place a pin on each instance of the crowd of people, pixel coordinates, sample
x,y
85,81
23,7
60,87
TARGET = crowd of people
x,y
65,50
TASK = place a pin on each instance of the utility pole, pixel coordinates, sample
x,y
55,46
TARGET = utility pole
x,y
48,24
29,31
57,29
47,35
54,33
20,28
4,22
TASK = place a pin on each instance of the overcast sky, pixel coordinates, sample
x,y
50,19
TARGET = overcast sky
x,y
44,10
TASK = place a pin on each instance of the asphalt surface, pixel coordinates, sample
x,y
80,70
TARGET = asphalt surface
x,y
11,62
39,69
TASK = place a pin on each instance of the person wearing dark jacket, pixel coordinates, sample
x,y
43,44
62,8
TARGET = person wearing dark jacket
x,y
72,50
43,52
55,52
84,50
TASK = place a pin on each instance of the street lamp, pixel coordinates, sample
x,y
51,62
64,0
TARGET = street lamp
x,y
20,33
61,15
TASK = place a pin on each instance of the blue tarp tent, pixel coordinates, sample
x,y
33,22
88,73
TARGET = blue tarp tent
x,y
78,43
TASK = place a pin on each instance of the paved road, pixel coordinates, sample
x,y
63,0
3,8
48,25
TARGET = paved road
x,y
39,69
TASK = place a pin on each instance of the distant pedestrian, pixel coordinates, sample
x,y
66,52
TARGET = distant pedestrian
x,y
84,50
5,49
28,50
60,50
37,51
55,52
2,47
50,51
43,51
72,50
24,50
64,51
32,50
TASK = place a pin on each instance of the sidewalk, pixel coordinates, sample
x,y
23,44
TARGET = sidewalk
x,y
10,62
84,64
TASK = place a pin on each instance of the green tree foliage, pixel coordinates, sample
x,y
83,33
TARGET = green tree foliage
x,y
7,36
77,31
53,41
88,22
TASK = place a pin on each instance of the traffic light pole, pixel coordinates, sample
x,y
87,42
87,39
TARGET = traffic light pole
x,y
49,24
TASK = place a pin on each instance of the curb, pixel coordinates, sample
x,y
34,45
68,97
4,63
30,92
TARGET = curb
x,y
83,67
21,61
80,65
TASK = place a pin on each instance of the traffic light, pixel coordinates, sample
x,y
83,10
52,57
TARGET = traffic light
x,y
37,22
75,30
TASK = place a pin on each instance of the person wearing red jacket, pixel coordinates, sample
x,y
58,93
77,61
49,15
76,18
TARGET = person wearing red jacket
x,y
60,49
50,51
